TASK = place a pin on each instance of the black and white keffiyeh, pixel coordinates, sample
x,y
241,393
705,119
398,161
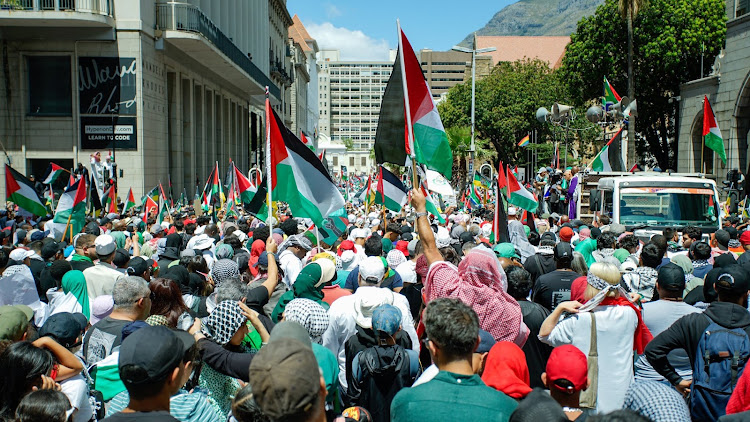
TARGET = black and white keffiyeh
x,y
310,315
224,269
657,402
221,325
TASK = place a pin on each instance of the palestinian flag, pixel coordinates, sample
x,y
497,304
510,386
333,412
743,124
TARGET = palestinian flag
x,y
163,212
711,133
306,141
95,201
390,191
71,209
153,194
610,157
72,179
112,200
231,210
53,172
431,207
425,140
500,221
258,205
245,189
130,202
610,95
519,196
502,181
150,206
297,175
20,190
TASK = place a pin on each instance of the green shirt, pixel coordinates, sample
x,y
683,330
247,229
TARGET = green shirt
x,y
586,248
449,395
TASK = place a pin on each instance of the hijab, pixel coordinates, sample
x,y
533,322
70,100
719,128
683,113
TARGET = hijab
x,y
506,370
309,285
75,283
222,324
310,315
255,250
519,239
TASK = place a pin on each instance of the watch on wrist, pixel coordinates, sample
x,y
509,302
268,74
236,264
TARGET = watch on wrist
x,y
421,214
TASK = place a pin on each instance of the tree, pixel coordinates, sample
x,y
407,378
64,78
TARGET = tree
x,y
348,143
629,10
459,138
667,53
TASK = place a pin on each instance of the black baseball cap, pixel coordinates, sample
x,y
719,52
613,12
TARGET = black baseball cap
x,y
734,279
137,266
563,250
151,353
262,259
64,328
671,277
50,249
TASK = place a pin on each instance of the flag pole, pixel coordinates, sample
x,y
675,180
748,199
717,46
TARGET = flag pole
x,y
410,133
269,115
66,228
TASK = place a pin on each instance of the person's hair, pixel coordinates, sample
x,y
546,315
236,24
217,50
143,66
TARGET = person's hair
x,y
261,233
231,289
43,405
546,241
630,243
603,220
519,282
179,224
128,290
229,230
607,272
107,258
418,248
374,246
622,415
145,390
669,233
244,408
607,240
198,263
450,255
85,241
202,220
701,250
21,367
466,247
660,241
211,230
693,232
534,238
242,226
289,226
167,300
233,242
4,258
452,326
190,228
651,255
578,264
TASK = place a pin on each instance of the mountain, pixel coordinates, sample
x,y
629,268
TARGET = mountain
x,y
537,17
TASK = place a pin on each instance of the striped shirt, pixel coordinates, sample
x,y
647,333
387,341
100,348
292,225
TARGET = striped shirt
x,y
187,407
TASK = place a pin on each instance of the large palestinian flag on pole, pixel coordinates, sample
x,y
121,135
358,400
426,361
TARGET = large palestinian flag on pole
x,y
53,172
610,157
409,124
129,202
297,175
20,190
390,191
245,189
71,209
711,133
519,195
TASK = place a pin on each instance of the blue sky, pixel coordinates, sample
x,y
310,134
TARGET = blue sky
x,y
365,30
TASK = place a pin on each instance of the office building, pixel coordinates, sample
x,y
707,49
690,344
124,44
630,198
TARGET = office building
x,y
444,69
304,95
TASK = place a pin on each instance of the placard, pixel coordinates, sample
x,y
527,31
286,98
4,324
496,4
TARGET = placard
x,y
107,85
106,132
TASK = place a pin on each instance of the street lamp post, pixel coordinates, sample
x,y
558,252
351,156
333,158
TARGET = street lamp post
x,y
473,52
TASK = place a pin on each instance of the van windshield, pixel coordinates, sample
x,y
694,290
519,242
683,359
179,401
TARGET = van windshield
x,y
668,206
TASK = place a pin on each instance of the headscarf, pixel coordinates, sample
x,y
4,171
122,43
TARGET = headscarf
x,y
224,251
686,264
74,282
181,276
255,250
519,240
422,267
222,324
506,370
309,285
387,245
224,269
310,315
657,402
295,240
480,283
119,239
395,258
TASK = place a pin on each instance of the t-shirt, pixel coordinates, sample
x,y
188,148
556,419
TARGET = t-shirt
x,y
451,396
539,264
77,391
159,416
658,316
392,281
554,288
102,338
536,352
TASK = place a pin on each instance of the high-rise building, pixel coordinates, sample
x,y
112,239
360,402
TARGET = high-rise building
x,y
350,93
443,69
169,88
304,98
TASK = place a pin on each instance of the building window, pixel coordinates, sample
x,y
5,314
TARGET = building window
x,y
50,91
364,162
335,160
351,161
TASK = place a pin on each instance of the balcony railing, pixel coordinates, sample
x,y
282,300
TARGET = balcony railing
x,y
186,17
101,7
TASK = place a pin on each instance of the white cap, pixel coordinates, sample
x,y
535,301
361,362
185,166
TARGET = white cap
x,y
372,268
512,211
19,254
105,244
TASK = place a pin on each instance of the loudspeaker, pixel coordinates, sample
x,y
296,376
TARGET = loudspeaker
x,y
617,109
561,111
631,109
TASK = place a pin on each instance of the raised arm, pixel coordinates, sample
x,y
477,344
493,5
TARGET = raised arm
x,y
426,236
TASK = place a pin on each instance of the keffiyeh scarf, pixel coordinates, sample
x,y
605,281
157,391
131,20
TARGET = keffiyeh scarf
x,y
221,325
310,315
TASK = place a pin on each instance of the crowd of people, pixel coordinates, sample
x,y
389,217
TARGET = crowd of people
x,y
403,318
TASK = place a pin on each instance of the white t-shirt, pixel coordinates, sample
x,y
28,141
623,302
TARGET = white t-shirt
x,y
291,265
615,327
62,302
77,392
429,373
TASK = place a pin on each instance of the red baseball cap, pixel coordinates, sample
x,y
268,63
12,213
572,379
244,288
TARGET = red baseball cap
x,y
745,238
567,363
403,246
346,245
566,233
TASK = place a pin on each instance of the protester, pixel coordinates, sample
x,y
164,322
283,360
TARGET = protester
x,y
553,288
566,377
506,370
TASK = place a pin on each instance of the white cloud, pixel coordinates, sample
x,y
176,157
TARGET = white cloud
x,y
352,44
332,11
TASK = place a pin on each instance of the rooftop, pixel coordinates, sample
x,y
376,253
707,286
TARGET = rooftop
x,y
550,49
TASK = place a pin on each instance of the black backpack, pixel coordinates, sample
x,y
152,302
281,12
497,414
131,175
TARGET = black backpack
x,y
384,371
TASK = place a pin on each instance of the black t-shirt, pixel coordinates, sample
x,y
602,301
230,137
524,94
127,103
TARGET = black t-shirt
x,y
539,264
159,416
102,338
536,352
553,288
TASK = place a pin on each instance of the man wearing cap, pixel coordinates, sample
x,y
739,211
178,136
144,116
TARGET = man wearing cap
x,y
101,277
14,322
658,315
291,253
452,330
152,374
566,376
543,261
554,288
730,312
374,248
349,312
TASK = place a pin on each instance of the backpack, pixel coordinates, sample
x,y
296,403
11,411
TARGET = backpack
x,y
719,362
384,371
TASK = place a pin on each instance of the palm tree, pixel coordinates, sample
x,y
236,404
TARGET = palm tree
x,y
459,138
629,10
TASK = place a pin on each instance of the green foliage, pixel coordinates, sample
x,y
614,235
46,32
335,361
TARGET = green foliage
x,y
348,143
506,104
667,52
